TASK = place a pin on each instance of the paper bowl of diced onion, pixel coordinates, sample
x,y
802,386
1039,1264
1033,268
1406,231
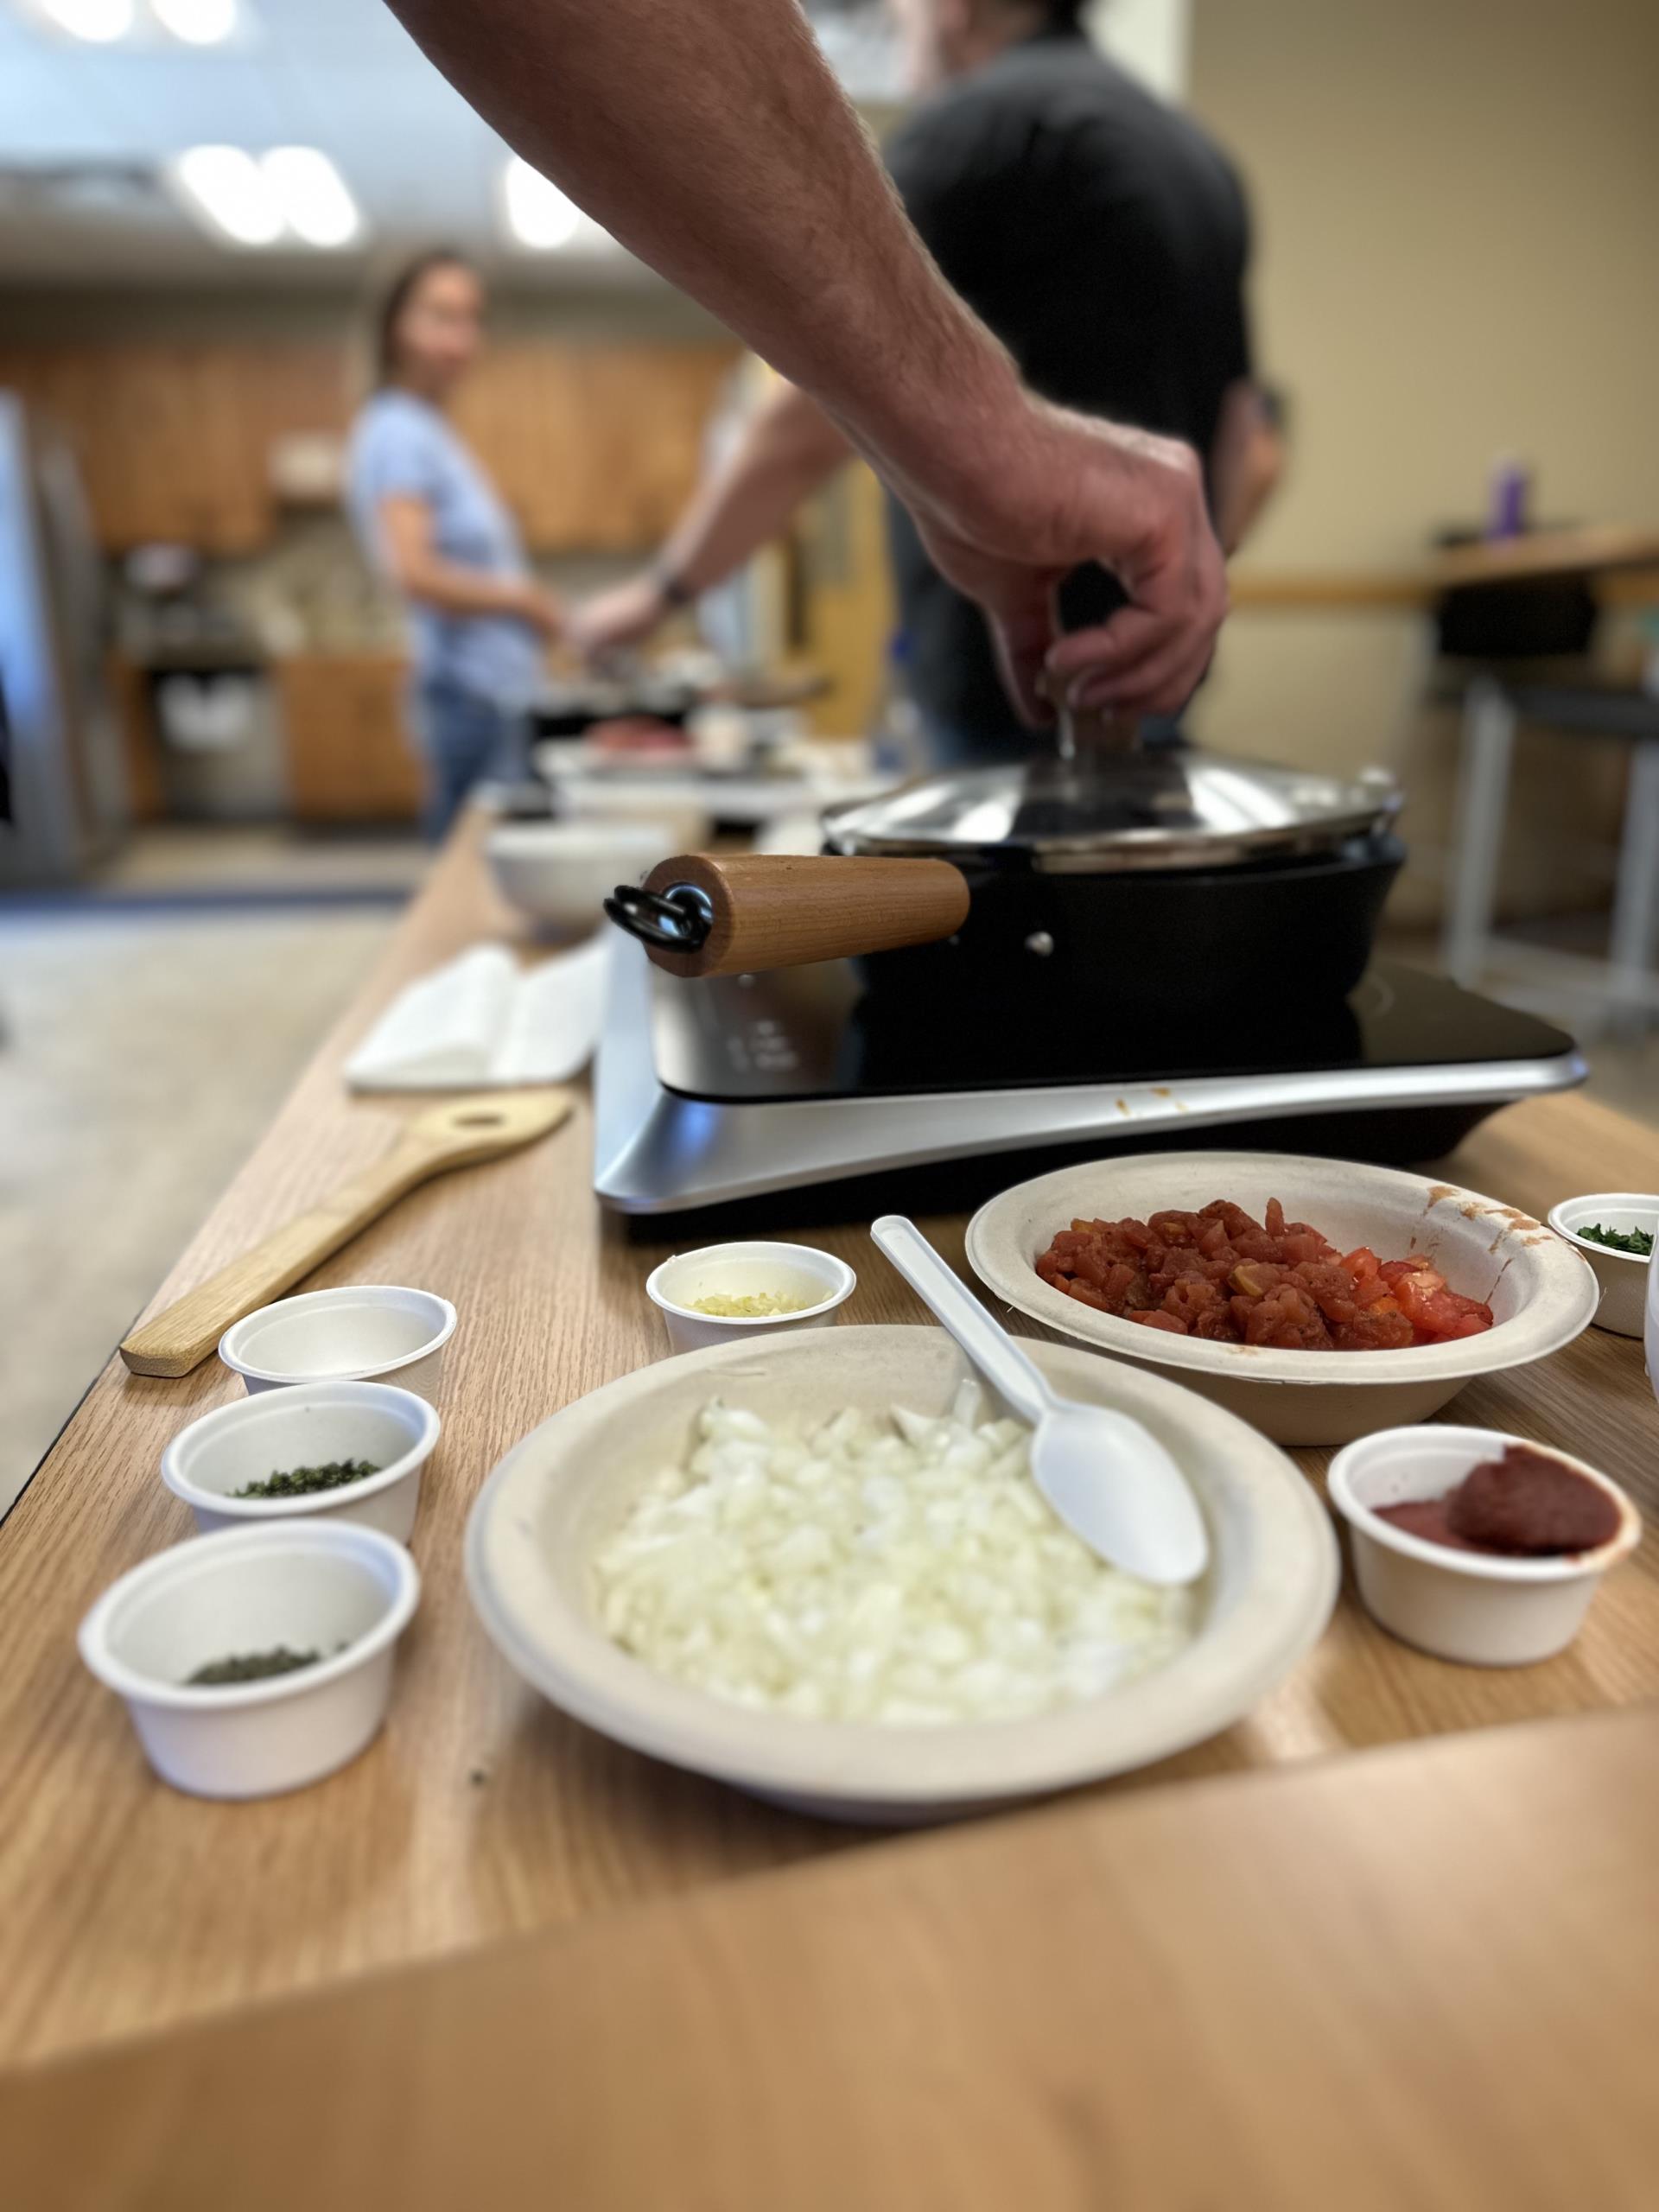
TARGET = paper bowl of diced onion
x,y
813,1567
1474,1256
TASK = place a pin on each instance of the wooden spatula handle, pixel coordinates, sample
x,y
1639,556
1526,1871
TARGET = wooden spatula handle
x,y
458,1135
783,910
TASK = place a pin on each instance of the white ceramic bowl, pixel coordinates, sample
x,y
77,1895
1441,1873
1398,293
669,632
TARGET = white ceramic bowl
x,y
1541,1294
534,1529
310,1584
308,1424
365,1332
1623,1276
560,873
657,796
743,1271
1471,1606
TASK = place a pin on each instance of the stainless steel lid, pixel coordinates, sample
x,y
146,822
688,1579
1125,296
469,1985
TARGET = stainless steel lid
x,y
1127,810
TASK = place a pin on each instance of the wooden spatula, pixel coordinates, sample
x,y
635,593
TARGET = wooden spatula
x,y
465,1131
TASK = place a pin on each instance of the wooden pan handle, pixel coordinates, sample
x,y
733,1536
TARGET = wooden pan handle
x,y
782,910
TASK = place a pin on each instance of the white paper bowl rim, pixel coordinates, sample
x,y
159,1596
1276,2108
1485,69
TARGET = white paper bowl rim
x,y
1588,1201
368,1292
1562,1310
247,1412
1205,1689
349,1537
816,1259
1479,1566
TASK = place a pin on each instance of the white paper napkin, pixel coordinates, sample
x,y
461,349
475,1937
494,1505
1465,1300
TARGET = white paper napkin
x,y
483,1021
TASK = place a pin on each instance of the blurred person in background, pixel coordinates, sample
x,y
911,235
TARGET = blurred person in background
x,y
1103,237
431,521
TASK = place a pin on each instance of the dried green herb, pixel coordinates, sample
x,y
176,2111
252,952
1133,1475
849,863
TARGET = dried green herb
x,y
302,1482
1638,1242
251,1667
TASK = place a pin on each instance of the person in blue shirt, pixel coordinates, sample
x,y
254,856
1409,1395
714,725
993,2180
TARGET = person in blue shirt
x,y
430,519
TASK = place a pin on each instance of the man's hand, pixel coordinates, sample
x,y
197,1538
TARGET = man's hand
x,y
1062,490
611,621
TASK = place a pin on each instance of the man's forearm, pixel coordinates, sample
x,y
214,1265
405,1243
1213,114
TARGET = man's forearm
x,y
732,163
788,449
709,137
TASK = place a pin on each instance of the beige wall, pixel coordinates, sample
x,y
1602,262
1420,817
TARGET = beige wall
x,y
1456,206
1457,218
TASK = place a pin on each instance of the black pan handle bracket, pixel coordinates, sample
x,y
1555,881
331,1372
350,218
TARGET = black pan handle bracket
x,y
676,920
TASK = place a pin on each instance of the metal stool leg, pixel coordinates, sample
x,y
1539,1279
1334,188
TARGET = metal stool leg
x,y
1478,841
1636,897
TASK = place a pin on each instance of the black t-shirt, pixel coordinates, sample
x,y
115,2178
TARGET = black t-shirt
x,y
1103,237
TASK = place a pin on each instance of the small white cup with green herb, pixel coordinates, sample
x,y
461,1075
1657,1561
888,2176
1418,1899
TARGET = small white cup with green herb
x,y
1615,1231
256,1660
344,1452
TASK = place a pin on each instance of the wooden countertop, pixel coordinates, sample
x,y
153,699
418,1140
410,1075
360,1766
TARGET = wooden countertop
x,y
1423,1979
1622,562
482,1812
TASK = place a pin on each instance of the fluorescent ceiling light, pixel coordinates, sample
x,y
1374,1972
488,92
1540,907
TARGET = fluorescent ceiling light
x,y
98,22
292,195
538,213
198,23
312,195
234,192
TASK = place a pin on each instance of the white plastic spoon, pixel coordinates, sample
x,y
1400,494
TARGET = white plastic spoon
x,y
1109,1479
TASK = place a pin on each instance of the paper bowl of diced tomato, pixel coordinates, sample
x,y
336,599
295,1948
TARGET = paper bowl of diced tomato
x,y
1319,1300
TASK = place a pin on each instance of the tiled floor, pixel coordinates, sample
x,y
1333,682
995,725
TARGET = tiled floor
x,y
141,1054
260,863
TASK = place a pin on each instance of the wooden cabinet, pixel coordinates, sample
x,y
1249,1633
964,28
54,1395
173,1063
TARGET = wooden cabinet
x,y
162,434
351,756
596,448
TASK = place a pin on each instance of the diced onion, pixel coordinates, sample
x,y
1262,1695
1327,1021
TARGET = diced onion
x,y
902,1570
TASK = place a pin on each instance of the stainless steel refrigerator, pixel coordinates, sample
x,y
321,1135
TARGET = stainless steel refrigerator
x,y
63,788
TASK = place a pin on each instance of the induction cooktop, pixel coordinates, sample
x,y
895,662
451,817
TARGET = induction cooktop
x,y
730,1087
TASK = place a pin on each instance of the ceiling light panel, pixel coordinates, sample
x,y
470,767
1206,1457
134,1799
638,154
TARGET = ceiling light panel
x,y
197,23
540,216
149,23
312,195
230,189
293,195
99,22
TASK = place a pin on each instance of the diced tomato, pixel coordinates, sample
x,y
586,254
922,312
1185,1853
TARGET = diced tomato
x,y
1302,1243
1219,1275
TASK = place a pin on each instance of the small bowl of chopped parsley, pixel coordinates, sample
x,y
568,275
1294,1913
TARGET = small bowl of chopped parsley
x,y
350,1451
257,1659
1615,1231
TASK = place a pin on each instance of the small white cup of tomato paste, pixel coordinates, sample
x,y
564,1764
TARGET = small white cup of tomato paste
x,y
1483,1609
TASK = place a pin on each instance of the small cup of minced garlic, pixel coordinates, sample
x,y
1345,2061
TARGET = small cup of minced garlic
x,y
715,1295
